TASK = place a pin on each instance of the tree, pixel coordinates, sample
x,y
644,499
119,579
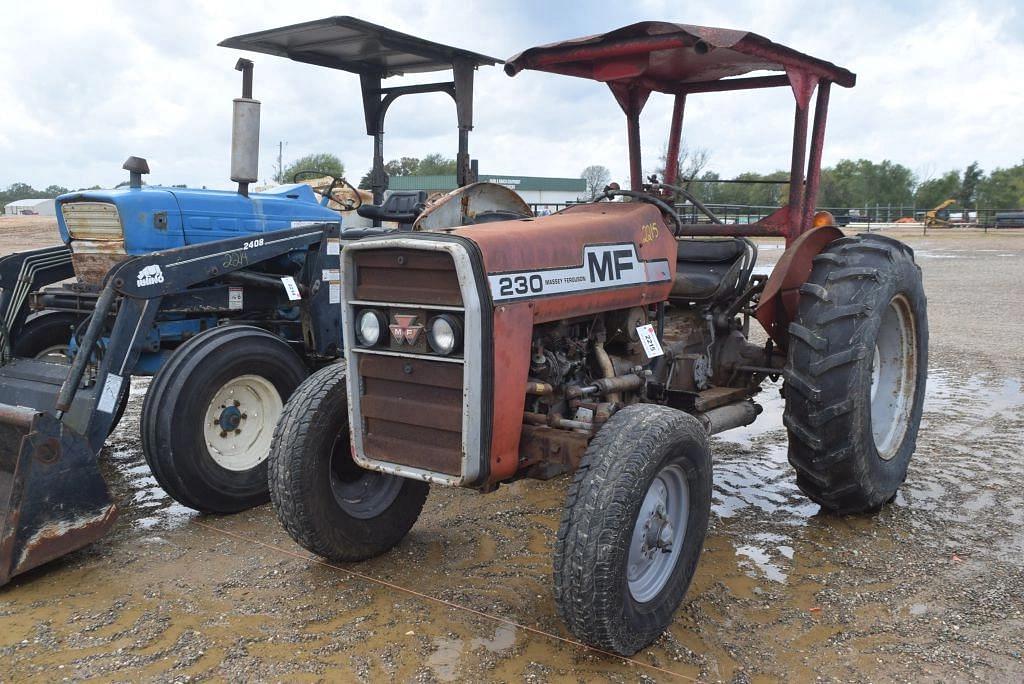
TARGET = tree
x,y
435,165
597,178
690,164
935,191
432,165
1002,189
857,183
324,162
969,185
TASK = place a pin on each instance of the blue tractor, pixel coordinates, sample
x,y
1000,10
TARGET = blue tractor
x,y
229,300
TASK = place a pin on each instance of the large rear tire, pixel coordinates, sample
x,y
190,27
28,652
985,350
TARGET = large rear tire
x,y
856,373
209,416
633,527
327,503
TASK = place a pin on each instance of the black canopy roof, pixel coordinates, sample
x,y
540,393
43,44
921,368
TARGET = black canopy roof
x,y
358,46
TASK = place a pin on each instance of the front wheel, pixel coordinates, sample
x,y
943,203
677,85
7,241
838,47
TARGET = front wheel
x,y
327,503
856,373
633,527
209,416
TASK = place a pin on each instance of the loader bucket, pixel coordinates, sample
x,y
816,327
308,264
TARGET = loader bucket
x,y
53,499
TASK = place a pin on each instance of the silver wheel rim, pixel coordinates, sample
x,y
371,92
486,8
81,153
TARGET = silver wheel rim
x,y
240,420
893,377
658,534
58,353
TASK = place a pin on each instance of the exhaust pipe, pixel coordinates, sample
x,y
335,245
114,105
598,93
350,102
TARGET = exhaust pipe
x,y
245,133
728,417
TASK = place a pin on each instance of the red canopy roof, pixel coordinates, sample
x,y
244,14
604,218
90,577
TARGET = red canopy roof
x,y
672,58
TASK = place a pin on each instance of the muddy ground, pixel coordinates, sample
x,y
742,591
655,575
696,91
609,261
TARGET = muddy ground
x,y
929,589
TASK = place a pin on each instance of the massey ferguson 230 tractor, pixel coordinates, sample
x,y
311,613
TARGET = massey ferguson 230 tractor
x,y
607,340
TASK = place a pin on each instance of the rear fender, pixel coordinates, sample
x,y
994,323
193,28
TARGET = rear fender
x,y
781,296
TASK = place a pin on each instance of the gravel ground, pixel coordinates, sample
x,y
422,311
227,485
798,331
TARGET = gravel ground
x,y
929,589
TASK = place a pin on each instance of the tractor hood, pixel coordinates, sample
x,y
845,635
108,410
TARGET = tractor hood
x,y
584,259
154,218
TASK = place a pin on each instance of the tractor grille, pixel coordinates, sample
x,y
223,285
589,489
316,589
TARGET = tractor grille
x,y
92,221
408,276
97,239
409,401
413,412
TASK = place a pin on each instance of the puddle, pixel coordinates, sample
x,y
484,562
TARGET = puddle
x,y
448,651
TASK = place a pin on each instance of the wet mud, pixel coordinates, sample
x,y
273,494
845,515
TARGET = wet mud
x,y
929,589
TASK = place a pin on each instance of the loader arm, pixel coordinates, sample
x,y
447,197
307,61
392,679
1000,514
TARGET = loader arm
x,y
55,419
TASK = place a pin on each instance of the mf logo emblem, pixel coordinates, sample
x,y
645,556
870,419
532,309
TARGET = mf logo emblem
x,y
404,329
609,264
150,275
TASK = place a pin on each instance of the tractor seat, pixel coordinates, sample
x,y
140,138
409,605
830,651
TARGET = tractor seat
x,y
703,265
401,207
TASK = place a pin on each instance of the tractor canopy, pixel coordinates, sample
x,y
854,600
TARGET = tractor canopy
x,y
376,53
681,59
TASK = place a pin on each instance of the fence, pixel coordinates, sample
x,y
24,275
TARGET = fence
x,y
877,215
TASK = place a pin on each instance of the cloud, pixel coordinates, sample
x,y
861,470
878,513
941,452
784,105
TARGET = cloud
x,y
85,85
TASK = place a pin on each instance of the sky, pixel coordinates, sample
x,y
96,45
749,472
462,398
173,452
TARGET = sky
x,y
84,85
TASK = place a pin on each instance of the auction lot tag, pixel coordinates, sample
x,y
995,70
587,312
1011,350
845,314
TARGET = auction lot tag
x,y
649,339
111,390
235,298
291,288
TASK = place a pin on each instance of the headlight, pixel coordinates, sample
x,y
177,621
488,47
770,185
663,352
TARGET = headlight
x,y
369,326
444,334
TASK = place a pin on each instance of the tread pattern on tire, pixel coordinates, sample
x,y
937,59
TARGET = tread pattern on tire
x,y
289,474
841,297
178,365
608,478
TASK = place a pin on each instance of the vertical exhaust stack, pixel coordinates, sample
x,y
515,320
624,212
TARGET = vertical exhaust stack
x,y
245,133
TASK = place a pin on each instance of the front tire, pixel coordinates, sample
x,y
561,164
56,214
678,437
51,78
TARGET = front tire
x,y
209,416
327,503
856,373
633,527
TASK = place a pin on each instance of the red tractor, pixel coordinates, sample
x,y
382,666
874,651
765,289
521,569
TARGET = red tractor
x,y
611,339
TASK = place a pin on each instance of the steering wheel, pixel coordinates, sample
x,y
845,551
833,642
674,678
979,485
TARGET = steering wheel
x,y
336,181
685,194
613,190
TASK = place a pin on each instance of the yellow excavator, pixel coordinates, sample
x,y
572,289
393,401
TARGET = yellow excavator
x,y
932,219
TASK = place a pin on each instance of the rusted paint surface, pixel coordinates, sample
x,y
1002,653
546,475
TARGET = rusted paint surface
x,y
557,241
513,330
778,305
669,55
407,276
546,452
463,205
61,537
413,411
92,267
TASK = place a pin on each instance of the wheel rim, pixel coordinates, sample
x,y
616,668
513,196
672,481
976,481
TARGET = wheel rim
x,y
893,377
58,353
361,493
658,534
240,422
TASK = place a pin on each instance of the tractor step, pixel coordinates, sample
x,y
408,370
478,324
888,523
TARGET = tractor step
x,y
53,498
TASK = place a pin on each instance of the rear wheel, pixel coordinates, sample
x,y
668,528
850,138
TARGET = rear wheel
x,y
633,527
856,373
209,416
326,502
47,337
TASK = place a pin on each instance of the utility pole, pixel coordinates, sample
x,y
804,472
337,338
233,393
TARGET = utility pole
x,y
280,160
